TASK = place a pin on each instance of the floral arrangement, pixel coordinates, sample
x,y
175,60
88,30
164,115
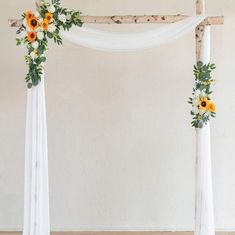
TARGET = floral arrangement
x,y
37,28
202,106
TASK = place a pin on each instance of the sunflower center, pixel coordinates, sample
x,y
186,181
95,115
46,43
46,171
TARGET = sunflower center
x,y
32,35
203,103
34,22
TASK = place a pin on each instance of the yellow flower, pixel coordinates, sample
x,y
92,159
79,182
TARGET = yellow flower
x,y
45,24
49,17
31,36
212,107
32,23
204,104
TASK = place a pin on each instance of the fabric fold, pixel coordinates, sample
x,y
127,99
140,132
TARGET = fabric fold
x,y
125,42
204,210
36,192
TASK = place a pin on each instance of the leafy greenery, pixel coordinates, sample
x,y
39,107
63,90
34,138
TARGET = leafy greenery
x,y
37,43
203,107
202,73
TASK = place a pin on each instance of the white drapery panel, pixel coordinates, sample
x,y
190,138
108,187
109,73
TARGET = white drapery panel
x,y
121,42
204,213
36,195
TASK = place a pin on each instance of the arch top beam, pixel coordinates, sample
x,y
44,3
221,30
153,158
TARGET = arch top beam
x,y
135,19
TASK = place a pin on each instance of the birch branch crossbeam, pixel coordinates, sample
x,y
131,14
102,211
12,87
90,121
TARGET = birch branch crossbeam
x,y
135,19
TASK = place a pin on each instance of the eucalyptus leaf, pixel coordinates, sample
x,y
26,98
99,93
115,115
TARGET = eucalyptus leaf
x,y
50,35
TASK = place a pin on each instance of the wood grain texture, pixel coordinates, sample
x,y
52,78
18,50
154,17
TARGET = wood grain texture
x,y
199,31
134,19
143,19
200,7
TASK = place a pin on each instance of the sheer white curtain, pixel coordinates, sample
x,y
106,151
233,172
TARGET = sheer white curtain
x,y
122,42
204,213
36,195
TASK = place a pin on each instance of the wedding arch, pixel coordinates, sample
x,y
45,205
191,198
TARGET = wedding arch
x,y
36,201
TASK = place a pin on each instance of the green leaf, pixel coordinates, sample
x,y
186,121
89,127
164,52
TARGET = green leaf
x,y
18,41
50,35
35,83
43,59
199,64
204,67
200,124
41,49
55,15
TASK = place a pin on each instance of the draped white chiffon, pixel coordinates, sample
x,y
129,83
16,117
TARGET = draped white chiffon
x,y
122,42
36,195
204,211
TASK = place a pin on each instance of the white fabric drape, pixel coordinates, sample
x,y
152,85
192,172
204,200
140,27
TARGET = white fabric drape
x,y
121,42
204,213
36,195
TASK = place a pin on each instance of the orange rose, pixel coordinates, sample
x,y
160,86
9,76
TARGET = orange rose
x,y
31,36
45,24
28,15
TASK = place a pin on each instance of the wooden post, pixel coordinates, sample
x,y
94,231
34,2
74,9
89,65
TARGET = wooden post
x,y
200,9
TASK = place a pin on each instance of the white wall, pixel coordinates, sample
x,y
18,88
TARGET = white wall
x,y
121,149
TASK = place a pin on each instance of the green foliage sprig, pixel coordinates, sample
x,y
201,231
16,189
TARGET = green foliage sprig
x,y
202,106
37,29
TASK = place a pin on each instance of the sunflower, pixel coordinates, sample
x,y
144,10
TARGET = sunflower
x,y
45,24
49,17
212,107
31,36
33,23
28,15
204,104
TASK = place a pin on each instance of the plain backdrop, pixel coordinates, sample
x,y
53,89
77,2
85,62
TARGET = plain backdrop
x,y
121,149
